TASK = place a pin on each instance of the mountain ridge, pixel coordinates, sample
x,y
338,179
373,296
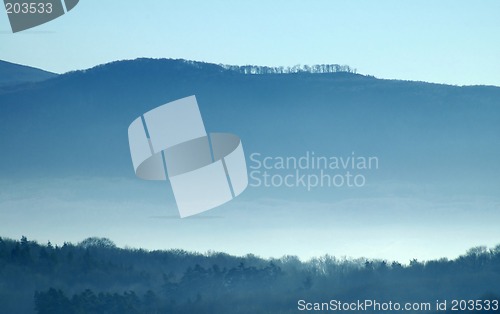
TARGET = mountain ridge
x,y
240,69
13,74
214,68
83,115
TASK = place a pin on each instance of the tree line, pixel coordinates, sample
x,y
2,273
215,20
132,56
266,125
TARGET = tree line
x,y
317,68
258,69
95,276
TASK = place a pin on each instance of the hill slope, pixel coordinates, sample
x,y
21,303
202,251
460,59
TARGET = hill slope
x,y
11,74
77,123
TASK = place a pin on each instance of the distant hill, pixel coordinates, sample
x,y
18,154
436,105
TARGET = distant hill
x,y
11,74
76,123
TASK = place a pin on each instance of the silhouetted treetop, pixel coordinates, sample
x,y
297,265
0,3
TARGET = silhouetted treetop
x,y
97,243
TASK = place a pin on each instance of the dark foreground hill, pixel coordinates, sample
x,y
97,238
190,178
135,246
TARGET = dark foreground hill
x,y
97,277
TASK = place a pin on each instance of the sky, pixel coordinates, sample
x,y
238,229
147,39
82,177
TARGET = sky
x,y
449,41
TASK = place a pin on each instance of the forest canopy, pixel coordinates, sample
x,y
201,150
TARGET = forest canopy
x,y
95,276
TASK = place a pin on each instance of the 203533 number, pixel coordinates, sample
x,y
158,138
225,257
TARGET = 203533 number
x,y
28,8
474,305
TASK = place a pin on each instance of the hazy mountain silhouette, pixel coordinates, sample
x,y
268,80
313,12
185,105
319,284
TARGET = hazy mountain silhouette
x,y
77,122
12,74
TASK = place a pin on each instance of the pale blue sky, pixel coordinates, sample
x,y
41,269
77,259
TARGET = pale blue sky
x,y
455,42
